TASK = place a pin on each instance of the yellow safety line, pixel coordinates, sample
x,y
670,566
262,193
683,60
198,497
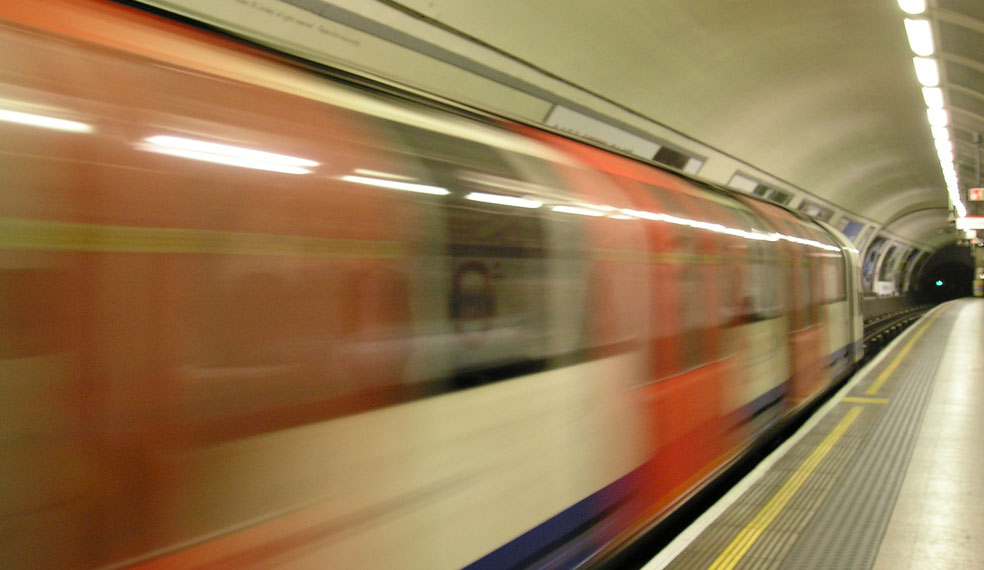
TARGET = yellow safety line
x,y
742,543
854,400
873,389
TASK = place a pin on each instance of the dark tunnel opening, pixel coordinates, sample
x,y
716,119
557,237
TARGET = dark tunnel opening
x,y
946,281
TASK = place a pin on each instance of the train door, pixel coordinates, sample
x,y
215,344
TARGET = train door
x,y
755,332
852,325
683,399
807,334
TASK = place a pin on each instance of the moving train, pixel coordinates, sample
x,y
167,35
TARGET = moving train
x,y
254,317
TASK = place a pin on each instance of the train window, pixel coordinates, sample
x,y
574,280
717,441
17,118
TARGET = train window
x,y
697,291
801,294
756,292
761,295
809,285
494,259
834,286
570,271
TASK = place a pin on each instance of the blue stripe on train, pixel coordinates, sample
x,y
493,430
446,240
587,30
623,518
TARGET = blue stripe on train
x,y
838,355
570,537
573,535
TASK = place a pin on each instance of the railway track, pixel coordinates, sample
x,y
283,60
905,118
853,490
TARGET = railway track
x,y
880,330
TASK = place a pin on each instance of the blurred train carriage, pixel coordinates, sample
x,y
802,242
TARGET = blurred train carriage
x,y
253,317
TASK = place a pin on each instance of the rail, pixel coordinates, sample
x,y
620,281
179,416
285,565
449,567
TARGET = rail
x,y
880,330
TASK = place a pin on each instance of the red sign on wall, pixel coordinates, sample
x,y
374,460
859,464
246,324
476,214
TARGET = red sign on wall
x,y
975,195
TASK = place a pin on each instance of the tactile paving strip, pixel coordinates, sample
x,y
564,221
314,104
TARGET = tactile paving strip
x,y
838,515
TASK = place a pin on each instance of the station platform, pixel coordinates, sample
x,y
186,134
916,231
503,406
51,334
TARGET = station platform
x,y
886,475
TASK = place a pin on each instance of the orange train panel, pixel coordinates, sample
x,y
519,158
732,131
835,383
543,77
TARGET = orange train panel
x,y
690,437
616,281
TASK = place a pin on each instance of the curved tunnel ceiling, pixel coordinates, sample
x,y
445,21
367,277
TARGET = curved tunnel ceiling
x,y
819,97
820,94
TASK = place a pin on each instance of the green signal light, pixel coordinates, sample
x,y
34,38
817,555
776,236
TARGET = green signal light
x,y
939,282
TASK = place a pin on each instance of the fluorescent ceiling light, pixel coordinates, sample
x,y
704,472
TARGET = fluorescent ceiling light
x,y
578,211
227,154
920,36
943,145
503,200
937,117
926,71
397,185
380,174
933,97
913,6
30,119
940,133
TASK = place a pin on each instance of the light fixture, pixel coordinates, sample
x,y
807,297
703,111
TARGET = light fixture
x,y
940,133
43,121
578,211
397,185
920,36
503,200
381,174
926,71
937,117
933,97
227,154
913,6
